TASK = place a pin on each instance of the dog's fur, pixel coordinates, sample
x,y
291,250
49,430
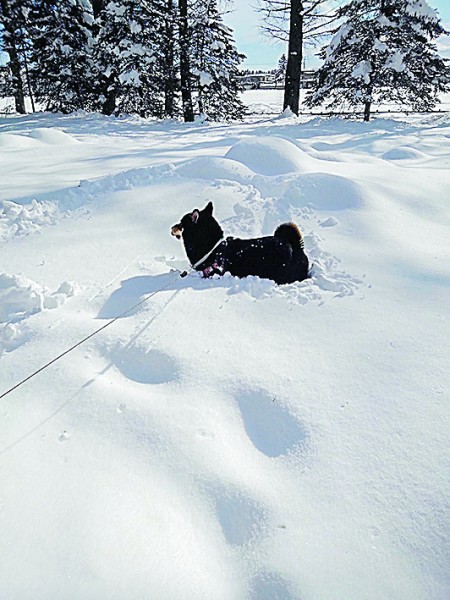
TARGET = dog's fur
x,y
279,257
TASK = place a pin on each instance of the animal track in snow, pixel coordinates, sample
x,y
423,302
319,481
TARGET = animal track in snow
x,y
330,222
271,586
12,336
145,365
270,426
241,518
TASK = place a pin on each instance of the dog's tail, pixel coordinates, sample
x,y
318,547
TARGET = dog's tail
x,y
290,233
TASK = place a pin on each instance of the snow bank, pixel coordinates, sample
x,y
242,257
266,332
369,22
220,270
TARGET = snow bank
x,y
269,155
404,153
34,137
20,298
11,141
208,167
48,135
17,219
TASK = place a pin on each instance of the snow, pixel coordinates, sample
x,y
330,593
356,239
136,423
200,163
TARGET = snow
x,y
395,62
420,9
268,156
228,439
270,102
205,79
131,77
116,9
362,71
344,31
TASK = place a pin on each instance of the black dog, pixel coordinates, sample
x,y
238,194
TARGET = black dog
x,y
279,257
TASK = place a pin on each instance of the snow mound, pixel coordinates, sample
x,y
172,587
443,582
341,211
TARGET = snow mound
x,y
324,191
270,155
20,298
13,141
17,219
404,153
287,114
208,167
51,136
12,336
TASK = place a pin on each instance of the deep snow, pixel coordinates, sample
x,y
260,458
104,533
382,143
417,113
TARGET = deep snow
x,y
229,439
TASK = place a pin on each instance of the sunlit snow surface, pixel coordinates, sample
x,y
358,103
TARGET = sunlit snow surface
x,y
229,439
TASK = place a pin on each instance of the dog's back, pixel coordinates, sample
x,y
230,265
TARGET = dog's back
x,y
279,257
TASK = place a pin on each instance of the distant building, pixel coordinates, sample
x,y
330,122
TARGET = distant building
x,y
308,79
256,80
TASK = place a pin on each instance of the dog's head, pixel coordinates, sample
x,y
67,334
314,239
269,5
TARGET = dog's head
x,y
200,232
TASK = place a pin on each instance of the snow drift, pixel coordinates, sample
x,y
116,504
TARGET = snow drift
x,y
227,439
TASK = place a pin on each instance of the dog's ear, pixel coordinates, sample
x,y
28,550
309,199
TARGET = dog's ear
x,y
209,208
194,216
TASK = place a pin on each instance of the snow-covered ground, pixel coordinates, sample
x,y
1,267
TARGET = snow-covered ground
x,y
270,102
229,439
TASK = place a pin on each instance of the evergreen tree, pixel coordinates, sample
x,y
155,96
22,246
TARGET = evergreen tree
x,y
383,51
185,60
12,21
127,55
280,71
62,67
214,62
170,56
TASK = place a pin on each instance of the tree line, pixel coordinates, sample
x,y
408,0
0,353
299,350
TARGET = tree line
x,y
166,58
377,51
144,57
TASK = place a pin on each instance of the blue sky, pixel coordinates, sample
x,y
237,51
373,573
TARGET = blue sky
x,y
262,53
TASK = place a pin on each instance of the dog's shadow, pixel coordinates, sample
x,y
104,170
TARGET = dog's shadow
x,y
132,291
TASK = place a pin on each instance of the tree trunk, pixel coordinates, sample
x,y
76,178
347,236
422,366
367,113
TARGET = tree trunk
x,y
367,106
10,45
97,7
110,94
295,57
14,62
27,75
170,81
185,71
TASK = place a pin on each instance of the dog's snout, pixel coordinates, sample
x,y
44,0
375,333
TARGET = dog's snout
x,y
176,231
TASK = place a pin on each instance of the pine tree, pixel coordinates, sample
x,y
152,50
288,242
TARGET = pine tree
x,y
383,51
185,60
170,55
13,20
214,63
280,71
127,54
62,68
